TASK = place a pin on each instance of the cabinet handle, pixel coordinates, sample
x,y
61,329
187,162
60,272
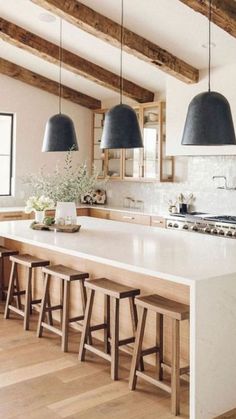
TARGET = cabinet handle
x,y
157,222
127,217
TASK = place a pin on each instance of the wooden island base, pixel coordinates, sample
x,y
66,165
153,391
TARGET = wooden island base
x,y
147,284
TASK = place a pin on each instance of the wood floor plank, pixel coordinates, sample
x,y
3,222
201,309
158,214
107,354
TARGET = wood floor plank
x,y
90,399
32,371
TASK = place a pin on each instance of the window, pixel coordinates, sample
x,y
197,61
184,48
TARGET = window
x,y
6,135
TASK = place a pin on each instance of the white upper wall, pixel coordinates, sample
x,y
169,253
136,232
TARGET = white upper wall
x,y
32,108
178,97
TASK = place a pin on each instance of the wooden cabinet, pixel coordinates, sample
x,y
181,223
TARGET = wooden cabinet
x,y
99,213
147,164
11,216
129,217
158,221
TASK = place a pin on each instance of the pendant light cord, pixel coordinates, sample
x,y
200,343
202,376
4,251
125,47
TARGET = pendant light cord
x,y
209,48
121,49
60,64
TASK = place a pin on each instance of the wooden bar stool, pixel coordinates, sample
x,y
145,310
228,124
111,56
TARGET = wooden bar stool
x,y
4,253
66,275
116,292
176,312
30,263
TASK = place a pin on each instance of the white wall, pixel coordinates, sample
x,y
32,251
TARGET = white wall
x,y
32,108
178,97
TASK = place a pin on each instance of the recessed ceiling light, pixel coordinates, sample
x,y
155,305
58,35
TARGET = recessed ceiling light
x,y
206,45
47,17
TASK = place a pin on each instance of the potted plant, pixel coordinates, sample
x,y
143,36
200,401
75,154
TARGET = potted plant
x,y
39,204
65,184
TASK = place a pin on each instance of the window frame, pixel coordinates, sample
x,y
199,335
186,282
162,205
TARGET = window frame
x,y
11,152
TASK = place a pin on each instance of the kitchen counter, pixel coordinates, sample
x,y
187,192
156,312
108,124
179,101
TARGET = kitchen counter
x,y
147,250
195,269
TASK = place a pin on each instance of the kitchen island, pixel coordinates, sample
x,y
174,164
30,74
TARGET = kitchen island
x,y
194,269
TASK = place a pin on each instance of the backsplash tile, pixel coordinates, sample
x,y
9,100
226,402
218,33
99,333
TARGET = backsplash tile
x,y
193,174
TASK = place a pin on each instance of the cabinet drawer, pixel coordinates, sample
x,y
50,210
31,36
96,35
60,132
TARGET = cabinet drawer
x,y
99,213
129,217
158,222
82,212
14,216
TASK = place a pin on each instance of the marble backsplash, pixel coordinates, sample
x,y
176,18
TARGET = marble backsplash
x,y
192,175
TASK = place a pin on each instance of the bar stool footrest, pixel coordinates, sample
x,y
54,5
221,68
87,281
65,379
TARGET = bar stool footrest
x,y
149,351
98,327
17,293
182,371
125,341
51,328
16,310
53,308
154,381
97,352
76,319
38,301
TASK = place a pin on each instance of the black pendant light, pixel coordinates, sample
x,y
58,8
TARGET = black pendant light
x,y
60,131
209,120
121,127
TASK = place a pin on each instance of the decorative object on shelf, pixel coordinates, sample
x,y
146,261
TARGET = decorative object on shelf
x,y
97,197
172,206
121,128
225,183
184,202
64,184
209,119
39,204
60,132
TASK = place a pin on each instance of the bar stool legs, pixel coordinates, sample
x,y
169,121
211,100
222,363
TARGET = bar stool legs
x,y
137,348
175,369
65,275
176,312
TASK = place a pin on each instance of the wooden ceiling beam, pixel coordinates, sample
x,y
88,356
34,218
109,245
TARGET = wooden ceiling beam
x,y
223,12
46,50
106,29
33,79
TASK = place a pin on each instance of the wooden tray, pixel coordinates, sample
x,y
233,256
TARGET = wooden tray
x,y
56,227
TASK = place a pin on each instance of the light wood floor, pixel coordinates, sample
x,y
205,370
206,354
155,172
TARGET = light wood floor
x,y
38,381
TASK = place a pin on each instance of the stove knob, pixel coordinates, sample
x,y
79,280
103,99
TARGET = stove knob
x,y
194,228
176,225
185,226
229,233
207,230
169,225
234,234
221,232
214,231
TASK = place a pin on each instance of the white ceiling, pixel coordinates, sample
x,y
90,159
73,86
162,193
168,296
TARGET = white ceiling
x,y
168,23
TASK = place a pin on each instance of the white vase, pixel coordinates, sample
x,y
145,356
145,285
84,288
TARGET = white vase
x,y
39,216
66,210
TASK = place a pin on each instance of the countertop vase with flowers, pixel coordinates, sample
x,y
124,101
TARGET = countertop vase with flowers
x,y
39,204
39,216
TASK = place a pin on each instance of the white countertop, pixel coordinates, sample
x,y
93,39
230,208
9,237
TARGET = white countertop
x,y
173,255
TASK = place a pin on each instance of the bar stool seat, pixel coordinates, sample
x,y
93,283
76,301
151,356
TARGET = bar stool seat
x,y
29,262
176,312
4,253
116,292
66,275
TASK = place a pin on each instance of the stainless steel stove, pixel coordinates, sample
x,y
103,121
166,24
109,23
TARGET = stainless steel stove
x,y
220,225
